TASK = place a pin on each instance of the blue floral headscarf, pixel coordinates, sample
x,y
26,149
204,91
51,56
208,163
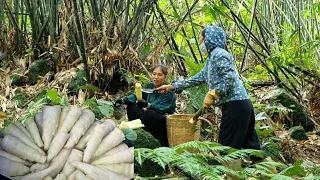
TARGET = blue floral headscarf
x,y
214,37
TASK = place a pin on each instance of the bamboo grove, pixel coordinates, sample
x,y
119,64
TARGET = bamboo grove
x,y
281,37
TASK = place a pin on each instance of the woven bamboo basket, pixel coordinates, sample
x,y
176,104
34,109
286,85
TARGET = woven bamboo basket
x,y
179,130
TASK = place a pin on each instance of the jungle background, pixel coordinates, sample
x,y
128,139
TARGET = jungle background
x,y
89,52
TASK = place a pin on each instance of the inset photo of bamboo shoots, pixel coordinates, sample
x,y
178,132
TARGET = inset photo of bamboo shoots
x,y
67,143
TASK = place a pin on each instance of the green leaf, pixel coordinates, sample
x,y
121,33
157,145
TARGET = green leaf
x,y
106,110
145,52
90,87
130,134
293,171
53,96
282,177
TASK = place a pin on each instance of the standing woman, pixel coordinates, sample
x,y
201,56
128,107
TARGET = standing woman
x,y
153,107
220,73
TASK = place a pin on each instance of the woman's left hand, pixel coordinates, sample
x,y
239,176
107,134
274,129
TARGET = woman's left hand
x,y
142,103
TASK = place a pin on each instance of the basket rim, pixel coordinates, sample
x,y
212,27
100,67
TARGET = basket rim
x,y
180,116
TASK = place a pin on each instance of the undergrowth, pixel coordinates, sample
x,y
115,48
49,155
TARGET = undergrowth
x,y
203,160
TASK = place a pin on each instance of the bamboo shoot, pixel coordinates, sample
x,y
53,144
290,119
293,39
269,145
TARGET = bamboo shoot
x,y
18,148
51,115
34,131
80,128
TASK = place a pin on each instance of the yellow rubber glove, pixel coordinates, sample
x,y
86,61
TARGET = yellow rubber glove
x,y
210,99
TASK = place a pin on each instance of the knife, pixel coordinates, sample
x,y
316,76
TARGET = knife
x,y
147,90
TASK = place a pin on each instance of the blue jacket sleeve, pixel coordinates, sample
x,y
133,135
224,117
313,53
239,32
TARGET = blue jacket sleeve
x,y
195,80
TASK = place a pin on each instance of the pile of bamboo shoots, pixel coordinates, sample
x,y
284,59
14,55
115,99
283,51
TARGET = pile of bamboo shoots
x,y
65,143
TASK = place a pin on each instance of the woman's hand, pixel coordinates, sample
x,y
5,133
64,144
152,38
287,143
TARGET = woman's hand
x,y
118,102
165,88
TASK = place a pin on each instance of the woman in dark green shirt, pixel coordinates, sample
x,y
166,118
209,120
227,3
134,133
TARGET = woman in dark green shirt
x,y
153,107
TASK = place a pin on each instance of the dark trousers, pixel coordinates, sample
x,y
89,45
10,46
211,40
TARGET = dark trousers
x,y
154,122
237,127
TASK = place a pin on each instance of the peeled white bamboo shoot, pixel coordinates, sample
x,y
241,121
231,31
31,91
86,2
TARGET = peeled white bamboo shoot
x,y
38,175
98,134
18,148
135,126
48,178
75,155
57,143
126,156
71,118
51,115
60,177
38,120
113,139
13,158
73,175
15,131
116,149
94,172
86,137
59,161
81,176
126,169
23,129
38,167
12,168
63,115
80,128
137,121
34,131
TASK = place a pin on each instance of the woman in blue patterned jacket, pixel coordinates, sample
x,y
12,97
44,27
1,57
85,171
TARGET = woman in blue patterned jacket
x,y
220,73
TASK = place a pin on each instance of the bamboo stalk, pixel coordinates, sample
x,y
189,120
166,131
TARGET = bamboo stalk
x,y
250,28
181,62
82,43
185,34
15,24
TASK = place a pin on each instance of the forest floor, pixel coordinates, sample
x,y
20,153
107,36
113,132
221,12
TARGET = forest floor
x,y
291,149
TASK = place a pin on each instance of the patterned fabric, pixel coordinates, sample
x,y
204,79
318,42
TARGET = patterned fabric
x,y
220,71
161,103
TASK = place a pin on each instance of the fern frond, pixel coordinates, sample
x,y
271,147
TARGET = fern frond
x,y
311,177
268,165
253,172
141,154
202,146
210,175
311,167
219,148
293,171
244,153
224,170
281,177
262,168
162,156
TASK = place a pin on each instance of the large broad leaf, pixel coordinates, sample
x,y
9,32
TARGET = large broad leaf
x,y
53,96
106,110
130,134
145,52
